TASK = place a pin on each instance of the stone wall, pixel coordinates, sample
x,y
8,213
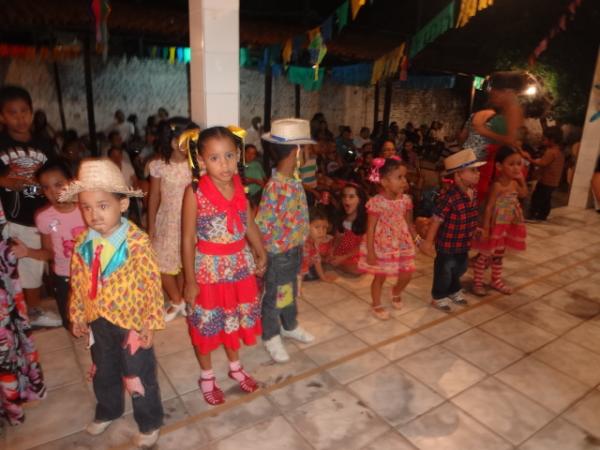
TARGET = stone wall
x,y
141,86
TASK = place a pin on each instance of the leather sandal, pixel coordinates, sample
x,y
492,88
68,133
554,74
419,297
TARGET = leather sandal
x,y
397,300
215,396
248,384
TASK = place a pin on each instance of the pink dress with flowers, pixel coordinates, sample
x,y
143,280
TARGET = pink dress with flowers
x,y
394,246
507,229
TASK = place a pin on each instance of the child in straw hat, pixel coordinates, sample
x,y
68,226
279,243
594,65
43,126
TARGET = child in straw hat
x,y
283,219
116,299
454,221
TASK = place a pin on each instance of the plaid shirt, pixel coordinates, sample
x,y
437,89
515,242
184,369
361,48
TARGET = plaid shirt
x,y
459,217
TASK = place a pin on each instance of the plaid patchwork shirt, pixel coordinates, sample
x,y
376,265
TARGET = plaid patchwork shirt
x,y
459,217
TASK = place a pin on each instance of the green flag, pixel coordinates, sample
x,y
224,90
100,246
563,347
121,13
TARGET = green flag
x,y
305,76
342,15
434,28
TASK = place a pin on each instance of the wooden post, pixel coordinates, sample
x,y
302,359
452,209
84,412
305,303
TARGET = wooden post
x,y
376,106
471,96
61,110
89,94
387,105
297,99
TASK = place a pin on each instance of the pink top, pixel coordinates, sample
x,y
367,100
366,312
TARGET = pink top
x,y
63,228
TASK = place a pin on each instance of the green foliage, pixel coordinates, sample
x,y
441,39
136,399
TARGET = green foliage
x,y
565,82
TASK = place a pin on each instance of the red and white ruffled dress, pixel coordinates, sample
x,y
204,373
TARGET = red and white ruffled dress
x,y
227,308
507,229
394,246
349,243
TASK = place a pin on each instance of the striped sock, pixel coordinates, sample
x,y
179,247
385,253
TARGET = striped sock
x,y
478,270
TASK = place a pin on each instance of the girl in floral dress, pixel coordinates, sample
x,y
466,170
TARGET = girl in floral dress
x,y
220,284
169,177
21,378
388,249
503,223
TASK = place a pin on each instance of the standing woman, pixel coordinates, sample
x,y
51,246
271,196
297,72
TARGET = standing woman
x,y
169,176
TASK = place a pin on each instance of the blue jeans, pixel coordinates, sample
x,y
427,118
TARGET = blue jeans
x,y
114,365
447,270
281,288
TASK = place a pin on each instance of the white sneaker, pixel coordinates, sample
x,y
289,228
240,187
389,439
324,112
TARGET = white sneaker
x,y
41,318
442,304
95,428
276,349
175,311
458,299
299,334
147,440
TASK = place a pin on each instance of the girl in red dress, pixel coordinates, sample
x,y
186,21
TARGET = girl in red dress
x,y
219,269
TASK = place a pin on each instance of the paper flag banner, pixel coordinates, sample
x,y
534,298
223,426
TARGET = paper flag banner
x,y
341,14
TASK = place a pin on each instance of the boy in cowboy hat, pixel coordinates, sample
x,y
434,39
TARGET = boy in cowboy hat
x,y
116,300
454,221
283,219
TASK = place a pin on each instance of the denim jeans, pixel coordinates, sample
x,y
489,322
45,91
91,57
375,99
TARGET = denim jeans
x,y
541,201
281,288
447,270
117,368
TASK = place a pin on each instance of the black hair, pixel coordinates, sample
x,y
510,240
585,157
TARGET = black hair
x,y
359,226
196,148
281,151
503,153
9,93
168,130
52,165
390,165
317,213
554,134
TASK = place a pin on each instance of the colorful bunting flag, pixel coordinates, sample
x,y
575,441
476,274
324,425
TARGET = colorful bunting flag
x,y
304,76
327,29
434,28
317,50
469,8
286,54
354,74
356,5
342,15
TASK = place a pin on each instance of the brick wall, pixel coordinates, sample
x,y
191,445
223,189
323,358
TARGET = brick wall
x,y
141,86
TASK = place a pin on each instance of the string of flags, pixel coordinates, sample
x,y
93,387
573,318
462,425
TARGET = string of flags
x,y
44,53
560,26
100,10
468,10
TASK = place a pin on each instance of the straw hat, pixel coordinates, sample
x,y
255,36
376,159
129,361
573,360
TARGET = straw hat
x,y
98,175
289,132
461,160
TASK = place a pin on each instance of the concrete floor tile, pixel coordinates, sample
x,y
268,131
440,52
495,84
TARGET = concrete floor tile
x,y
450,428
572,359
560,434
358,367
585,415
303,391
509,413
518,333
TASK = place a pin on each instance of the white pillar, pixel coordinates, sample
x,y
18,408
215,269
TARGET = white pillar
x,y
589,148
215,65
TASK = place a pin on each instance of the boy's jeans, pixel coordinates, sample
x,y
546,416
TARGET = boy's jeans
x,y
117,366
281,289
447,270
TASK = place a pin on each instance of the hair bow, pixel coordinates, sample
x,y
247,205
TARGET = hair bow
x,y
375,166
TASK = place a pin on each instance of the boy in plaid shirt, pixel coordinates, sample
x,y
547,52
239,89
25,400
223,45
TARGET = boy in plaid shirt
x,y
454,221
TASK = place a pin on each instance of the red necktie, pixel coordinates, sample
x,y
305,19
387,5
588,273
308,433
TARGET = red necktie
x,y
95,271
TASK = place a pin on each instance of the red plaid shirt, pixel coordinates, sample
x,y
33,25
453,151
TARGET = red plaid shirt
x,y
459,216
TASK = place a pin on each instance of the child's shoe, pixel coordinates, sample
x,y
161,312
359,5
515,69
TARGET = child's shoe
x,y
247,383
174,310
458,299
299,334
501,287
443,304
380,312
213,395
97,427
276,350
147,440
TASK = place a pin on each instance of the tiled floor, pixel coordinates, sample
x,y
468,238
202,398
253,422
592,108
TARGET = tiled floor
x,y
520,371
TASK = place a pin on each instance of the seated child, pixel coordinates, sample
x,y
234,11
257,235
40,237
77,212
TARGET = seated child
x,y
116,300
312,267
350,229
254,174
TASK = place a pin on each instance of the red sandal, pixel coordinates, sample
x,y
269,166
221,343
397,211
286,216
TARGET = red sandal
x,y
248,384
215,396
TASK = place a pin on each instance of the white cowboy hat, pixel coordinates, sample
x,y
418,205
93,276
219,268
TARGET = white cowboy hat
x,y
289,132
461,160
98,175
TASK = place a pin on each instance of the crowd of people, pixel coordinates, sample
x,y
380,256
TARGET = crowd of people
x,y
227,225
